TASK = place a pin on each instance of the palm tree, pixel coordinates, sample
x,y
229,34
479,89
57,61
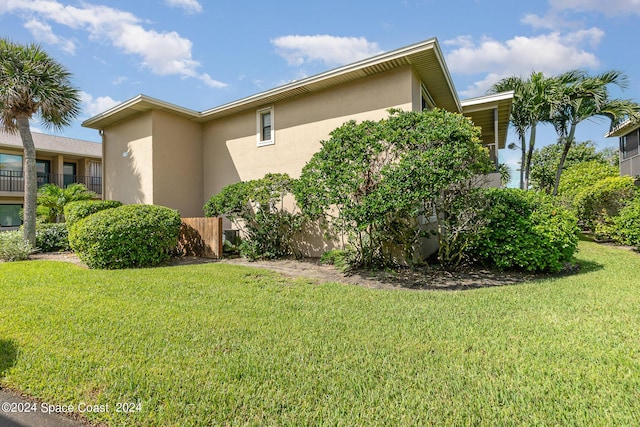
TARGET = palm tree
x,y
532,102
52,199
33,84
583,97
519,118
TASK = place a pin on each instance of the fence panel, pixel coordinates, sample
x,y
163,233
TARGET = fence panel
x,y
201,237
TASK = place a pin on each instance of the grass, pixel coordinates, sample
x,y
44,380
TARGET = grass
x,y
217,344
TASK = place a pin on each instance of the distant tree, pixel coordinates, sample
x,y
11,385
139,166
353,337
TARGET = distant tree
x,y
545,162
52,200
584,97
33,84
532,104
505,174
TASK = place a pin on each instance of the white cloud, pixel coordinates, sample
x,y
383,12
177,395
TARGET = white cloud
x,y
609,7
119,80
550,53
550,21
94,106
43,33
165,53
330,50
190,6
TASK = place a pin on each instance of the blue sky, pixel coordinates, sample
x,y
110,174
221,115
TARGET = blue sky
x,y
199,54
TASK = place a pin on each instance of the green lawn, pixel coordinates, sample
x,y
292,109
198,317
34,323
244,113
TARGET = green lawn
x,y
216,344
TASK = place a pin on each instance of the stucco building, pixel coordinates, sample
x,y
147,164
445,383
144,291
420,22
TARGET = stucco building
x,y
629,135
59,160
160,153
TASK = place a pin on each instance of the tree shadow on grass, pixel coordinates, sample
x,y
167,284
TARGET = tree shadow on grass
x,y
8,356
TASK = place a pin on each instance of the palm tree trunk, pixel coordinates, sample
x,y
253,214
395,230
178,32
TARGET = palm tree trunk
x,y
30,180
568,142
523,147
532,143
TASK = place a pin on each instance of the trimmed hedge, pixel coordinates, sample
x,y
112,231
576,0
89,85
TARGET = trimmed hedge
x,y
75,211
525,230
126,237
52,237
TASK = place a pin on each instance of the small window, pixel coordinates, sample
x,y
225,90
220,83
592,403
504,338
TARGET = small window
x,y
265,130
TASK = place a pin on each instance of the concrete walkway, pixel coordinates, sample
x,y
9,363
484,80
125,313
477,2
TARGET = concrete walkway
x,y
16,412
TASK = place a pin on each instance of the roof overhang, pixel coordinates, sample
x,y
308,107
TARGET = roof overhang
x,y
624,128
425,57
134,106
491,113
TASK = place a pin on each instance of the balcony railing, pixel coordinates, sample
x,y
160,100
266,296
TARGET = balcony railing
x,y
13,181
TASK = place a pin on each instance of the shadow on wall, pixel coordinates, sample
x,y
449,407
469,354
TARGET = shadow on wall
x,y
123,180
8,356
312,241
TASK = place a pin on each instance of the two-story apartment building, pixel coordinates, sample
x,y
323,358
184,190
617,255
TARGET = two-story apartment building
x,y
61,161
159,153
629,134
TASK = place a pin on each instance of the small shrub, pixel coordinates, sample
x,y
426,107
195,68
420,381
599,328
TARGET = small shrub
x,y
126,236
525,230
53,199
257,209
342,259
52,237
626,226
13,247
75,211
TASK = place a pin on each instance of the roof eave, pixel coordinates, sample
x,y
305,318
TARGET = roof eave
x,y
623,128
133,106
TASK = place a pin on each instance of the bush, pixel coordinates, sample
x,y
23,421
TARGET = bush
x,y
626,226
52,237
75,211
603,200
13,247
257,209
126,236
525,230
53,199
580,178
342,259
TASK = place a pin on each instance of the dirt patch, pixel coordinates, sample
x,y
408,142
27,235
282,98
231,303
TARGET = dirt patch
x,y
58,256
426,278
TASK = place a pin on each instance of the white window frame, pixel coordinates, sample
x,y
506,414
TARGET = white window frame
x,y
260,142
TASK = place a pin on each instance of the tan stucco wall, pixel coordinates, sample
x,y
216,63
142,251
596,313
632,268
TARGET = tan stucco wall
x,y
230,150
177,164
129,177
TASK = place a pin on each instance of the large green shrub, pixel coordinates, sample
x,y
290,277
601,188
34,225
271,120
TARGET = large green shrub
x,y
525,230
603,200
371,181
257,208
580,178
52,237
626,225
75,211
13,247
126,236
